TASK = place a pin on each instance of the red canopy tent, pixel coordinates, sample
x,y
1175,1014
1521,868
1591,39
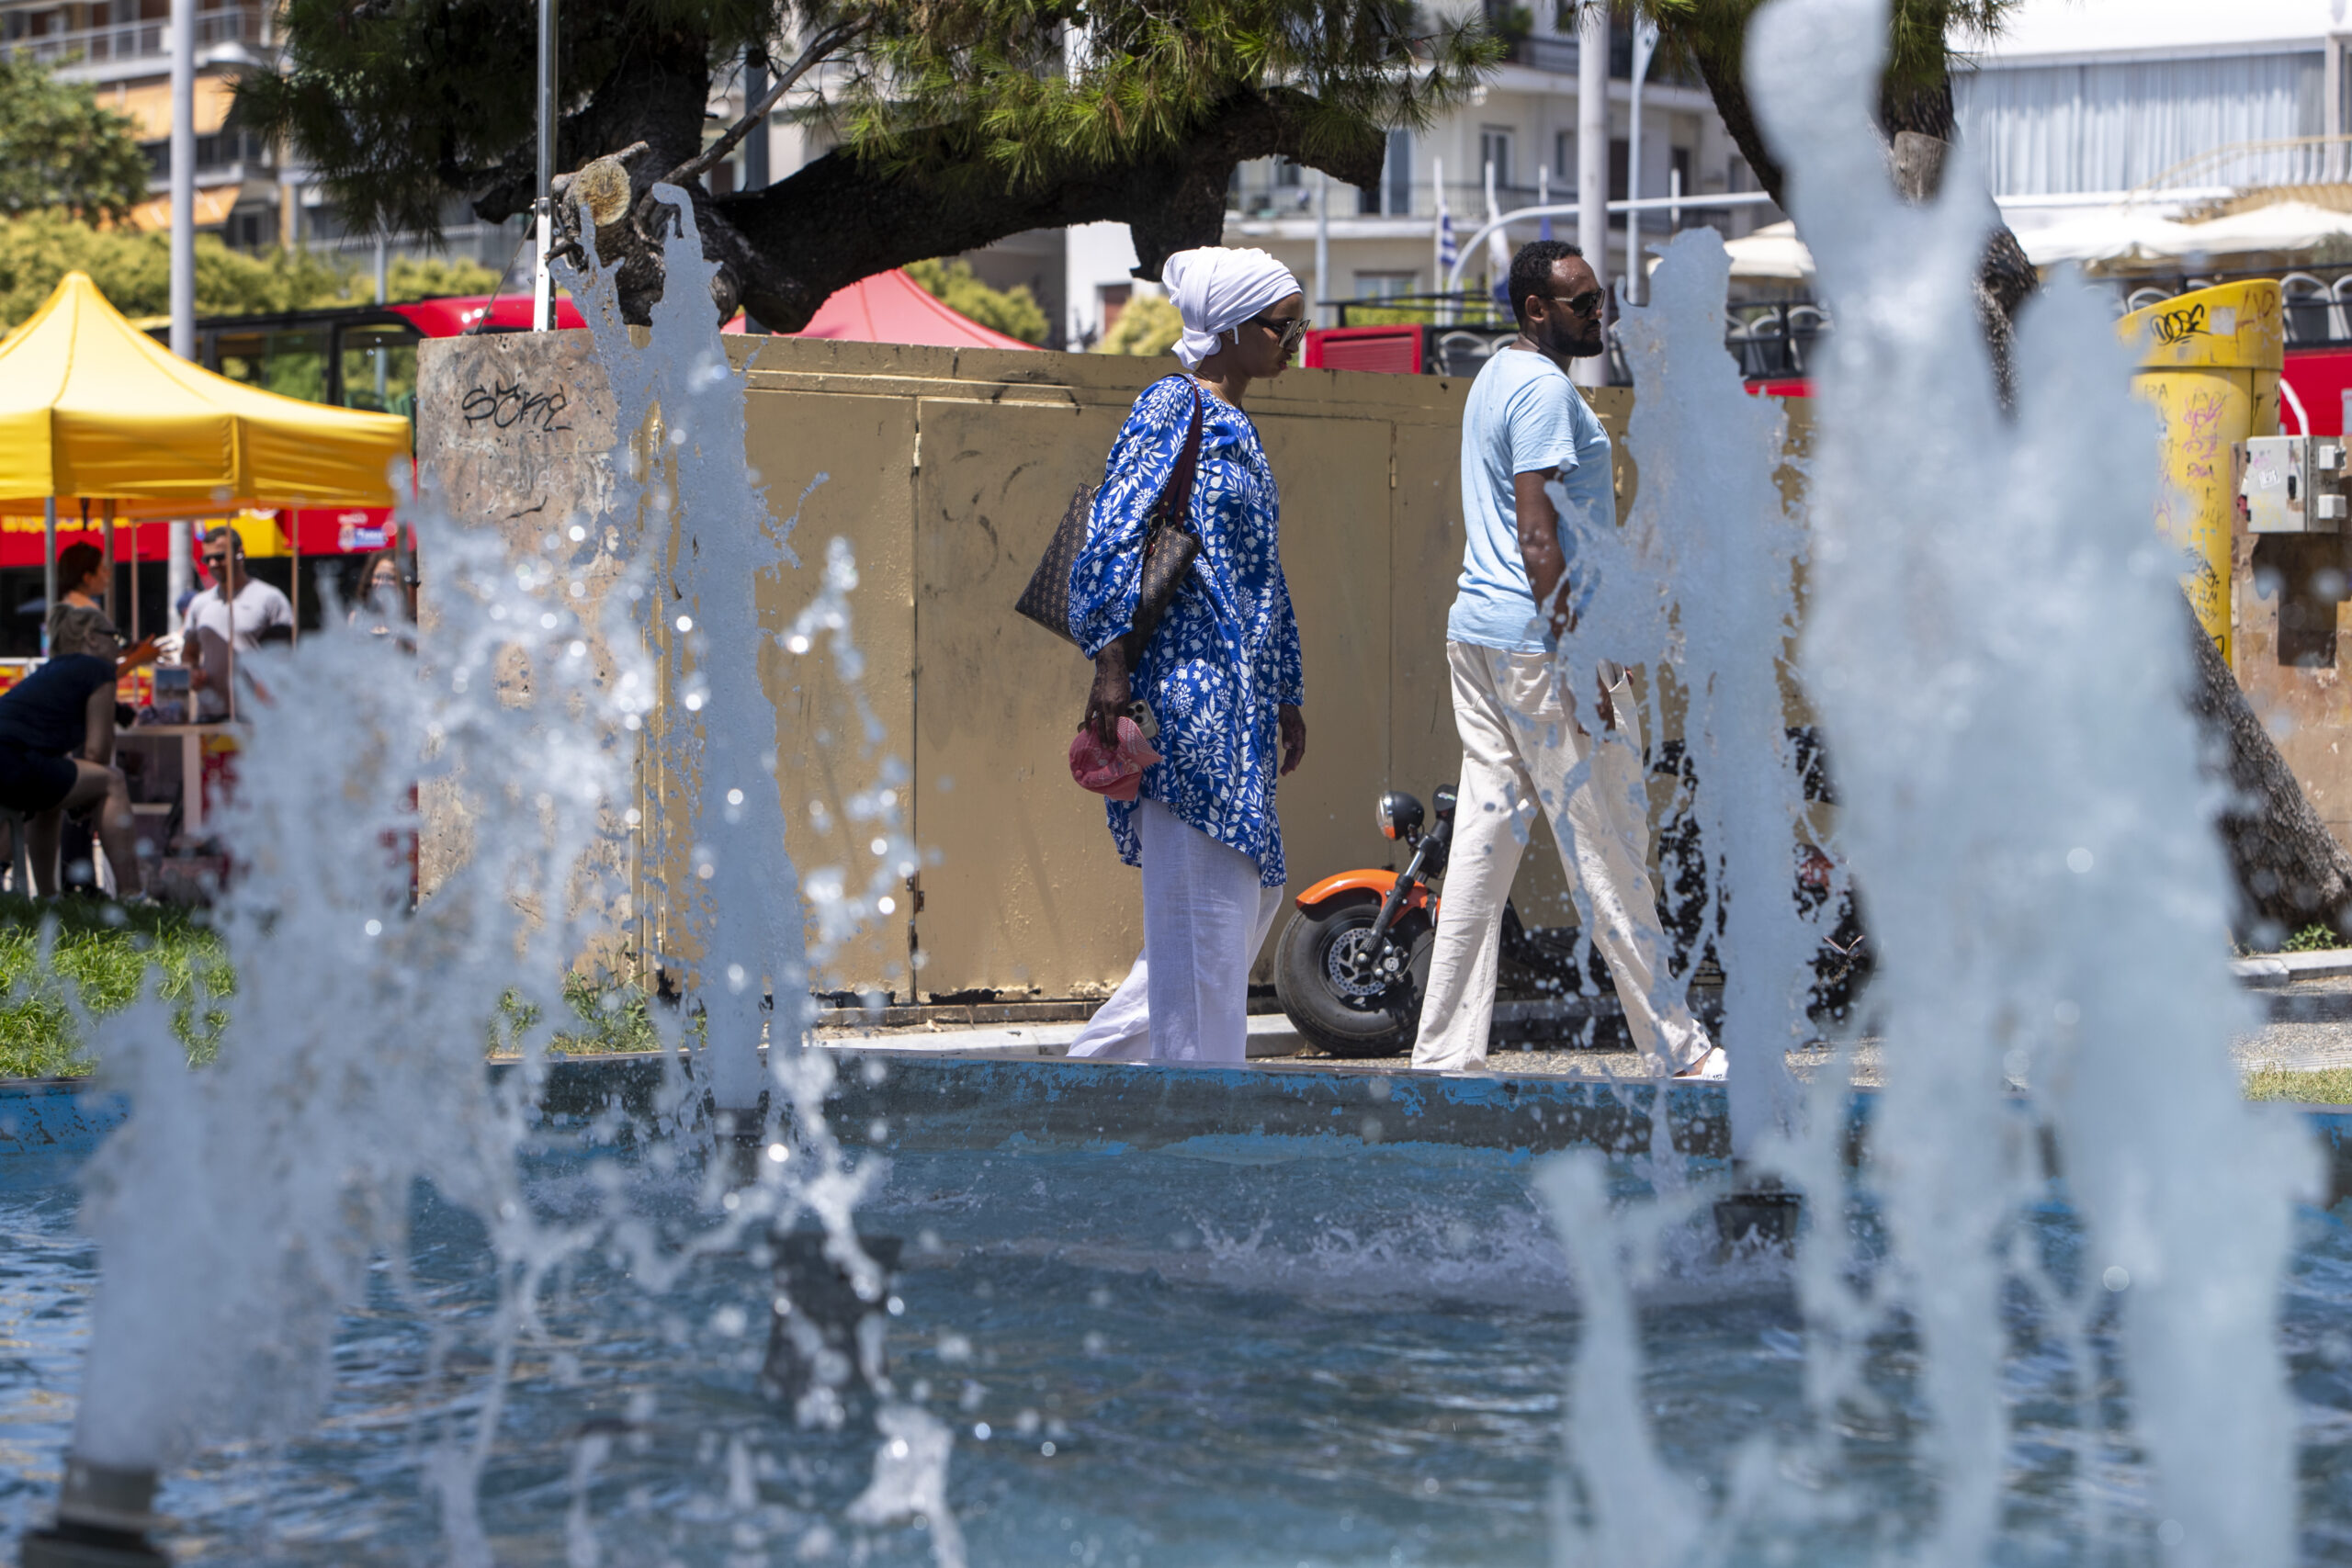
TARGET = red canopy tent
x,y
890,307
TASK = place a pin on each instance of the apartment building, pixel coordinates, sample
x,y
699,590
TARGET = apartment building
x,y
1513,146
247,191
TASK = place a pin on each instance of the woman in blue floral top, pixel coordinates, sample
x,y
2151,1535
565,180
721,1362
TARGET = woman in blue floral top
x,y
1220,674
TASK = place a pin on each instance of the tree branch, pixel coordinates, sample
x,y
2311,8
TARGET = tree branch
x,y
824,45
788,247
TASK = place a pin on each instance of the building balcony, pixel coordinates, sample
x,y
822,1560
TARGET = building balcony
x,y
141,48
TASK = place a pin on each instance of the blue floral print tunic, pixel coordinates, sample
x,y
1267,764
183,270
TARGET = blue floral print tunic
x,y
1227,652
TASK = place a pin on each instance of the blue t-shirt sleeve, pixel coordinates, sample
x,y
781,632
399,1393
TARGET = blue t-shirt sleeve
x,y
1542,429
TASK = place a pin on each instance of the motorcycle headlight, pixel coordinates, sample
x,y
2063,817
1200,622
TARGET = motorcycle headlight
x,y
1399,816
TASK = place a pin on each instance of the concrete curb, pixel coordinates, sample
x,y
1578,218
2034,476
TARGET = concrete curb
x,y
890,1099
2333,964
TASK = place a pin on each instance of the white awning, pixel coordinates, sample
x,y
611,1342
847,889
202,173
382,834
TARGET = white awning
x,y
1773,253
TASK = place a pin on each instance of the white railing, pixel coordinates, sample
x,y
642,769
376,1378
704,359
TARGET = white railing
x,y
1670,205
2294,160
133,40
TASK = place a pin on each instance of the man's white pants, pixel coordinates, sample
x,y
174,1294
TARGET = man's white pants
x,y
1205,917
1519,745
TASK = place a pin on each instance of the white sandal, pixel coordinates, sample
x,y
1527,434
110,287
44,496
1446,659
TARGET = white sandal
x,y
1713,1068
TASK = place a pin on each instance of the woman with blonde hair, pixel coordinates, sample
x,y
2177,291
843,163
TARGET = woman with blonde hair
x,y
1219,673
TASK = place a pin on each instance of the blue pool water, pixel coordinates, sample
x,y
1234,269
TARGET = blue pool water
x,y
1221,1352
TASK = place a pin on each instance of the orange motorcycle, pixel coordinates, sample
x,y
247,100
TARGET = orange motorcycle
x,y
1352,964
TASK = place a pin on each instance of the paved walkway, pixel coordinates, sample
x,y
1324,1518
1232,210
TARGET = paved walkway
x,y
2308,1030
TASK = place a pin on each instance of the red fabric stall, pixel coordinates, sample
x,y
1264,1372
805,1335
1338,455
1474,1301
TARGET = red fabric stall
x,y
890,307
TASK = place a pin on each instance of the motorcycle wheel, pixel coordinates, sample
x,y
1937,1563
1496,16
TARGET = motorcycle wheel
x,y
1327,1002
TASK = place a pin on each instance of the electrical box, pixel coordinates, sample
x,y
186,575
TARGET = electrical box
x,y
2293,484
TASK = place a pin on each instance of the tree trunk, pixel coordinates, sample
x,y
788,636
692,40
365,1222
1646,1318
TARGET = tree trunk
x,y
2290,870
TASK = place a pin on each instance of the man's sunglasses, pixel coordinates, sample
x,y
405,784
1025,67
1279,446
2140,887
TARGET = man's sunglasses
x,y
1583,304
1290,332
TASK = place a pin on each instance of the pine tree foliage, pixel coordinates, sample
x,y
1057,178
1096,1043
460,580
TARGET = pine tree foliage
x,y
952,122
60,152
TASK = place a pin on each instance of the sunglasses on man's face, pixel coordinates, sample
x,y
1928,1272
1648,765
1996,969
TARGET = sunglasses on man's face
x,y
1583,304
1290,330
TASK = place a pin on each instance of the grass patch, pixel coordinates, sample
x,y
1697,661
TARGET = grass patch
x,y
2327,1086
606,1017
103,952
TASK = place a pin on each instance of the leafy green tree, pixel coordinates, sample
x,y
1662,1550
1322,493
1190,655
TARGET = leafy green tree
x,y
1148,325
956,122
60,152
133,270
437,277
1014,311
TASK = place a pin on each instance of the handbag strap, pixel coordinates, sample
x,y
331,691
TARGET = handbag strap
x,y
1176,501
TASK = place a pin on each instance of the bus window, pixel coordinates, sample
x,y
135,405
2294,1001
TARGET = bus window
x,y
380,370
291,364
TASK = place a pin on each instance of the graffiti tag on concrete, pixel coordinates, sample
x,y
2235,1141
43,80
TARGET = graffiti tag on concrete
x,y
506,406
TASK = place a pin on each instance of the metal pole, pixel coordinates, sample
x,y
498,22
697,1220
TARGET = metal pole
x,y
1592,162
755,146
49,568
108,544
1645,42
542,282
183,281
135,627
180,573
1322,249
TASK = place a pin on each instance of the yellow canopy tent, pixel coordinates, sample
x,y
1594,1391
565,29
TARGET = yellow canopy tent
x,y
95,412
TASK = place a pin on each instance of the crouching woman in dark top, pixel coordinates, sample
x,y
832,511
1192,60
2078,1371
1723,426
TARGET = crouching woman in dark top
x,y
56,748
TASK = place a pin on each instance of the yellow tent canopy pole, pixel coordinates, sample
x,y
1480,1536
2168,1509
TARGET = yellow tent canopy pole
x,y
2209,362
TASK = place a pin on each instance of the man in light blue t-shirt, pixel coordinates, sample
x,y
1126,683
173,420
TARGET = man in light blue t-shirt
x,y
1527,436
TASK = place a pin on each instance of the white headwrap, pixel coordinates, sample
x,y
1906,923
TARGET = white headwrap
x,y
1216,290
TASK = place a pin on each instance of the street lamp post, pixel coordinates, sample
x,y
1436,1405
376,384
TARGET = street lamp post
x,y
180,569
1592,159
1645,45
542,281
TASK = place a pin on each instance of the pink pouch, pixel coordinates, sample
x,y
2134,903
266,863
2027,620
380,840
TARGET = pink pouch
x,y
1113,771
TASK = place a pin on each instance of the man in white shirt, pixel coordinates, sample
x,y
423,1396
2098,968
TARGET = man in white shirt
x,y
236,612
1526,428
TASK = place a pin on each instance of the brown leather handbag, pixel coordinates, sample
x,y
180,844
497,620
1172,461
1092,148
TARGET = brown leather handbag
x,y
1169,547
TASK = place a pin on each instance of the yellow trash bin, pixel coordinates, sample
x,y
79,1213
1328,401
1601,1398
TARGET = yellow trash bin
x,y
2209,362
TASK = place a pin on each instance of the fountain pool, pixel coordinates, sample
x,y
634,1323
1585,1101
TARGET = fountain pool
x,y
1185,1351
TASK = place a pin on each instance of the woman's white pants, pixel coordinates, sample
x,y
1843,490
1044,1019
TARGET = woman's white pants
x,y
1205,917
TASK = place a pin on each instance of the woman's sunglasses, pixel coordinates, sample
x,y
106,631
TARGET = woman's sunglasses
x,y
1290,332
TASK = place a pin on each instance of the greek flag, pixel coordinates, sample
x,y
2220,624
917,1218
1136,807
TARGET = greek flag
x,y
1447,252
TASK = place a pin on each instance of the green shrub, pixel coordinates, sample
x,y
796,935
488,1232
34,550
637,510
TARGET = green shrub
x,y
1014,311
1148,325
2317,938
